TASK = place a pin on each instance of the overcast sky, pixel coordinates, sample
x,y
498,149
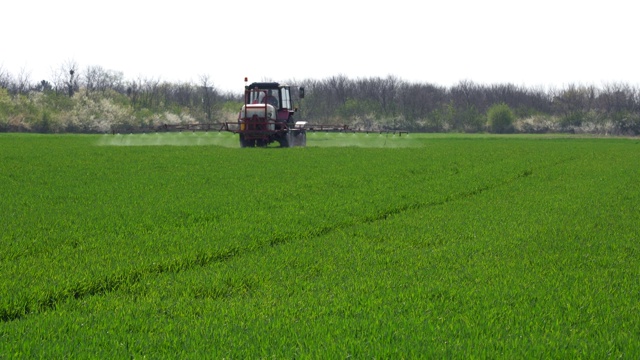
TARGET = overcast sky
x,y
548,43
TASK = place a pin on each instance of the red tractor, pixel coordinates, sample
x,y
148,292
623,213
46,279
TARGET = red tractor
x,y
267,116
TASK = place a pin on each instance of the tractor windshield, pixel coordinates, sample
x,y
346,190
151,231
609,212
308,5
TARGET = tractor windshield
x,y
262,96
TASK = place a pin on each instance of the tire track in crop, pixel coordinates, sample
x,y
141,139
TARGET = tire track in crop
x,y
447,199
119,281
111,283
466,194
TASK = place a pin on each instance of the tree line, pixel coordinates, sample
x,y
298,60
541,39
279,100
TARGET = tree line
x,y
94,99
394,103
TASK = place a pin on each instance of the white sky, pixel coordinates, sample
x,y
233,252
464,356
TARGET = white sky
x,y
548,43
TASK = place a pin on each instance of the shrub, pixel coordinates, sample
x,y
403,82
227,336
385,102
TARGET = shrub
x,y
5,109
500,118
471,120
537,124
572,120
626,123
96,114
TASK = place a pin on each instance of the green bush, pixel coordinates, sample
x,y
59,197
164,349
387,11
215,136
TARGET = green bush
x,y
5,109
500,119
626,123
471,120
571,120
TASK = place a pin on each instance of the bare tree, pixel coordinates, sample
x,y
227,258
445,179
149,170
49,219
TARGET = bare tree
x,y
182,94
208,96
92,78
388,93
572,100
22,83
617,98
150,93
58,79
133,92
66,78
44,86
468,101
98,79
5,78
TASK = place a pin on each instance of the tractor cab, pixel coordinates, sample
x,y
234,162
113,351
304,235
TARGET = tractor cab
x,y
274,94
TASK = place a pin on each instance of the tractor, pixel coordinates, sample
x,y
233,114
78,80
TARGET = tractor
x,y
267,116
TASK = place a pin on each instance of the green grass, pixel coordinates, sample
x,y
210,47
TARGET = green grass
x,y
357,246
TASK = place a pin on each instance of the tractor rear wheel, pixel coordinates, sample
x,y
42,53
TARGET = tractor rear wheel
x,y
303,139
300,139
286,140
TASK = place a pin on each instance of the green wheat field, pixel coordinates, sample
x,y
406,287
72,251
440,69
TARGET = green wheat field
x,y
184,245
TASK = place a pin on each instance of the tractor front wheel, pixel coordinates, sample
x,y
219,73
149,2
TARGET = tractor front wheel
x,y
247,142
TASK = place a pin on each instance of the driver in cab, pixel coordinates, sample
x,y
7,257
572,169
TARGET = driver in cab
x,y
270,99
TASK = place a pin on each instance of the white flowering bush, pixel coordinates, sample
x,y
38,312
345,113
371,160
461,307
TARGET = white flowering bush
x,y
96,114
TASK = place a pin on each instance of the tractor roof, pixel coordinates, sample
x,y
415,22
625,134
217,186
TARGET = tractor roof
x,y
265,85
